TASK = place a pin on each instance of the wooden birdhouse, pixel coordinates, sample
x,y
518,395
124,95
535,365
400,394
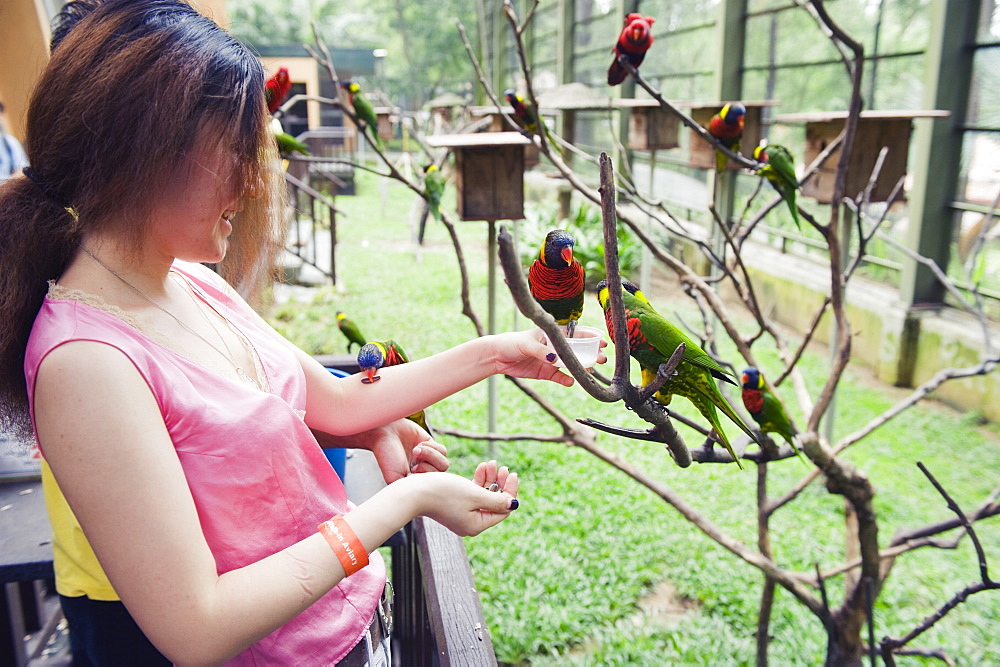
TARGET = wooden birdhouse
x,y
875,130
495,122
384,116
702,153
489,173
650,127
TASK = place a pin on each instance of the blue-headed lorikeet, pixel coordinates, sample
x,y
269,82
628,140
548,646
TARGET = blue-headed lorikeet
x,y
374,355
350,331
779,169
363,109
652,339
276,89
765,408
727,127
633,42
527,117
557,279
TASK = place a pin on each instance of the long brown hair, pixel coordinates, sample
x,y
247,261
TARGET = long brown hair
x,y
130,86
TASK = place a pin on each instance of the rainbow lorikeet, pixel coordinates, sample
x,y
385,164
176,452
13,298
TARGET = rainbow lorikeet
x,y
434,182
779,168
766,409
556,279
363,109
527,117
276,89
633,42
374,355
652,339
727,127
350,331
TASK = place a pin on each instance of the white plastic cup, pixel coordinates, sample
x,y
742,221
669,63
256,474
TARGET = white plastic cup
x,y
585,343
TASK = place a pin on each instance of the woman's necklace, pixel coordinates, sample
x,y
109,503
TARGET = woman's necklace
x,y
240,371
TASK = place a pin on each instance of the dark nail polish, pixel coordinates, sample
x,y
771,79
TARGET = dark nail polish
x,y
513,504
550,357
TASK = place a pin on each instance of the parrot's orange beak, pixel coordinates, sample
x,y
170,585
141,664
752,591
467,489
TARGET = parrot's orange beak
x,y
370,372
567,255
744,380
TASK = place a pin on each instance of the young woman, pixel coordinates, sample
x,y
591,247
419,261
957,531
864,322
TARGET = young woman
x,y
182,479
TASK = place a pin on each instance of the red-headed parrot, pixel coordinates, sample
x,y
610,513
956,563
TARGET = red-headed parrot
x,y
350,331
779,168
527,117
727,127
766,409
363,109
633,42
276,89
652,339
378,354
556,279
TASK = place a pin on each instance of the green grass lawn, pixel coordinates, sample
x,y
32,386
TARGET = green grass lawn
x,y
594,569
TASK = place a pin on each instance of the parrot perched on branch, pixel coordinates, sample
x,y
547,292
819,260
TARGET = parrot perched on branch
x,y
633,42
350,331
276,89
363,109
287,144
434,182
527,117
652,339
556,279
378,354
727,127
779,168
766,409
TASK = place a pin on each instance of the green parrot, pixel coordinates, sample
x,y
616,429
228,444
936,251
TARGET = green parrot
x,y
434,187
779,168
652,339
766,409
350,330
376,354
527,117
363,109
287,144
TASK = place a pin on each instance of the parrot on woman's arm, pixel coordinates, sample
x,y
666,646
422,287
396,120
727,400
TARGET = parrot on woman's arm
x,y
653,339
363,109
727,127
557,279
633,42
766,409
350,331
379,354
779,168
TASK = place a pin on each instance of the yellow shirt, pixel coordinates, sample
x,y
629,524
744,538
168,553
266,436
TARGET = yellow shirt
x,y
77,570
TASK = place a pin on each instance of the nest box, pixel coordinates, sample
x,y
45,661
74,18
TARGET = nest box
x,y
384,116
702,153
876,129
489,173
650,127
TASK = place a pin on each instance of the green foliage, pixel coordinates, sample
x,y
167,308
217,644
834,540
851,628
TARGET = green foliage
x,y
562,581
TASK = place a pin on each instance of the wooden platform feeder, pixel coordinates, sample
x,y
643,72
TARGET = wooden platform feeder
x,y
702,153
497,123
875,130
650,127
489,173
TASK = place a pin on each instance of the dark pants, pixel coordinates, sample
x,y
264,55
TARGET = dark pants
x,y
103,633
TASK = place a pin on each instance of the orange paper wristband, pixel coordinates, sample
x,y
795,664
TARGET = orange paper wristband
x,y
345,544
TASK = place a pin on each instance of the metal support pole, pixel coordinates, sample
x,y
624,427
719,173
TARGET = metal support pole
x,y
491,328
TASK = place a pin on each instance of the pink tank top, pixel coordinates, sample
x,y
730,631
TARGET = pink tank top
x,y
259,478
